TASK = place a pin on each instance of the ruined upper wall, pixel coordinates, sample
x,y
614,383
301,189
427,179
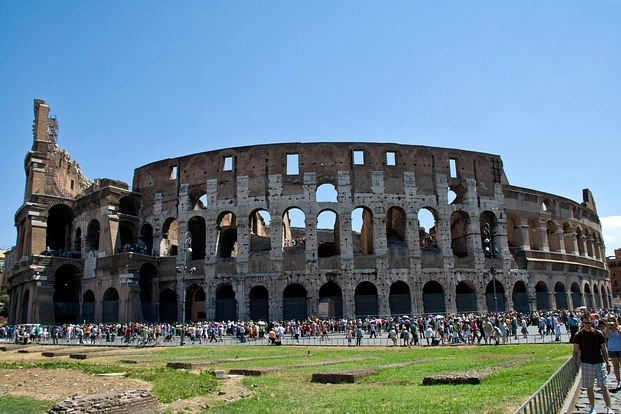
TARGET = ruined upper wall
x,y
50,170
325,161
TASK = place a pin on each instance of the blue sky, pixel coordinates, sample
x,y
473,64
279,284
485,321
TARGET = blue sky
x,y
132,82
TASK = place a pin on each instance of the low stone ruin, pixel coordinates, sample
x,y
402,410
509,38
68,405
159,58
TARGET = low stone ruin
x,y
120,402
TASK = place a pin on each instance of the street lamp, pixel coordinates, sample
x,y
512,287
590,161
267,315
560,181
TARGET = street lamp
x,y
488,249
187,248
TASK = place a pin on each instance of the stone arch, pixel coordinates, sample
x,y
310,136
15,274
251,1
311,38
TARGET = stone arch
x,y
400,299
226,245
495,296
66,294
542,293
521,299
569,239
146,238
25,306
260,230
366,300
195,298
456,193
576,295
93,233
110,306
328,234
460,222
588,297
226,303
362,230
147,282
169,246
59,229
396,226
514,232
580,241
547,205
534,234
88,306
597,245
168,306
427,228
294,229
198,198
434,301
198,232
560,296
330,301
326,193
129,205
466,297
596,296
77,244
589,243
295,306
259,303
554,244
127,236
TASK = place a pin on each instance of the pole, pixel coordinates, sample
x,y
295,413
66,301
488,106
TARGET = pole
x,y
186,249
489,240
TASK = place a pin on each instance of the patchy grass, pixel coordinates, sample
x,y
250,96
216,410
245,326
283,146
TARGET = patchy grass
x,y
393,380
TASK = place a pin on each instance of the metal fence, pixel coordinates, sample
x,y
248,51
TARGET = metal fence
x,y
551,396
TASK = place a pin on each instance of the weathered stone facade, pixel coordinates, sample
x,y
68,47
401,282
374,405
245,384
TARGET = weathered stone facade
x,y
284,231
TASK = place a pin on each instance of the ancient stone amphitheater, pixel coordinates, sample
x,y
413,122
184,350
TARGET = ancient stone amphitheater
x,y
285,231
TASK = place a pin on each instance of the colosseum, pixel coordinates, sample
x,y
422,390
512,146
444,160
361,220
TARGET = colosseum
x,y
284,231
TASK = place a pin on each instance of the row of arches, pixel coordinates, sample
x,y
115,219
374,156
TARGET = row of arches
x,y
293,301
521,233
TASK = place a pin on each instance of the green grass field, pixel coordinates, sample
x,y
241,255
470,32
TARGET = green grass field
x,y
514,373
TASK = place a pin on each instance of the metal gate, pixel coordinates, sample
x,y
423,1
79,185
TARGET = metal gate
x,y
336,311
226,309
434,303
110,311
576,299
491,302
366,305
543,300
168,312
66,312
466,302
561,300
88,312
400,304
294,309
259,309
148,311
520,302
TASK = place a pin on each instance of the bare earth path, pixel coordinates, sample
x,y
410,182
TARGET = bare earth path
x,y
55,385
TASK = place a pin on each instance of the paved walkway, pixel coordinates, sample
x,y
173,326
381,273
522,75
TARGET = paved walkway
x,y
582,406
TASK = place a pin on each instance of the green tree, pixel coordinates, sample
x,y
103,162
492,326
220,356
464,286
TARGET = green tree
x,y
5,302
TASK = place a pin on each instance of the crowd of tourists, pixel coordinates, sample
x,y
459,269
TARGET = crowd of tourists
x,y
470,329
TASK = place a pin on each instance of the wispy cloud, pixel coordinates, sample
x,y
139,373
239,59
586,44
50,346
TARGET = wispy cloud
x,y
611,229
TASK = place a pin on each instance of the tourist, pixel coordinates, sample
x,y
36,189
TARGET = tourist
x,y
590,345
358,336
613,334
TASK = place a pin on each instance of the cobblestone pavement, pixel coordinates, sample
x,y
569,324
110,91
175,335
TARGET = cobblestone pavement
x,y
582,405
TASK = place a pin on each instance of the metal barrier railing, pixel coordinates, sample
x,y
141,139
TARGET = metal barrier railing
x,y
552,395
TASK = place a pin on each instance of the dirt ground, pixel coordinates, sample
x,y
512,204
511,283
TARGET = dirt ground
x,y
59,384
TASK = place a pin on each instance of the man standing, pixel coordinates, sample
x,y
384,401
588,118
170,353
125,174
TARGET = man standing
x,y
590,344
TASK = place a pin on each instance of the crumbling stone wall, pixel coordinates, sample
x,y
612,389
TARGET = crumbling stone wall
x,y
120,402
